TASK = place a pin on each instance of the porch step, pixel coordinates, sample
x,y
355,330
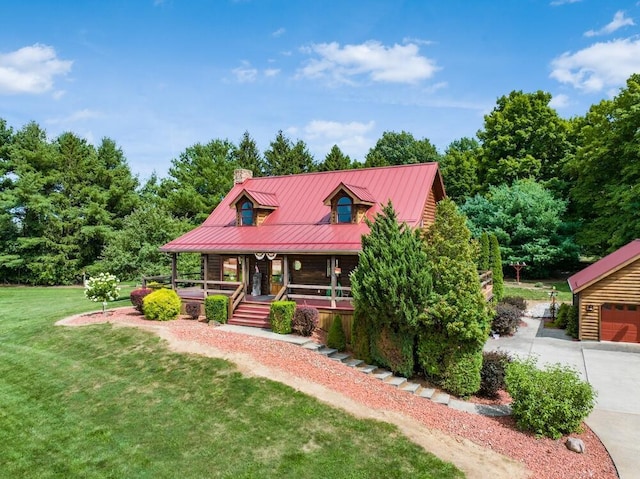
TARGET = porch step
x,y
252,314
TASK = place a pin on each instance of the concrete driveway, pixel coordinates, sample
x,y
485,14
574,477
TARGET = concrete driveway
x,y
614,371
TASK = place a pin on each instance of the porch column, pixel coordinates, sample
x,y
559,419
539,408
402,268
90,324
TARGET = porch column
x,y
285,279
245,273
334,281
205,275
174,270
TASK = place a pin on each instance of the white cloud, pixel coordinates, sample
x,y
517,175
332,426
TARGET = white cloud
x,y
556,3
31,70
598,67
619,21
246,73
559,101
351,137
394,64
76,116
271,72
278,33
417,41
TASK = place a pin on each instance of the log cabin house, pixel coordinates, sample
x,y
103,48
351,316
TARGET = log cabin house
x,y
607,295
298,237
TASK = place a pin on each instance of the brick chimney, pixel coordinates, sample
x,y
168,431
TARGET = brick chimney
x,y
240,175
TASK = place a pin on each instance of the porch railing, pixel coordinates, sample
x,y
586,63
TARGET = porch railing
x,y
486,284
340,293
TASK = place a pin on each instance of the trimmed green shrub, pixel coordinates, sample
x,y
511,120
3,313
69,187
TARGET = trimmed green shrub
x,y
161,305
193,310
483,259
360,337
137,295
496,268
216,308
394,350
462,374
154,285
492,373
572,322
517,301
506,319
336,338
550,402
563,316
305,320
281,316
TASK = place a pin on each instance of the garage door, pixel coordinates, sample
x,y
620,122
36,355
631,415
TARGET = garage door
x,y
620,322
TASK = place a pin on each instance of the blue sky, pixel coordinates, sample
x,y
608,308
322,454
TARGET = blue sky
x,y
160,75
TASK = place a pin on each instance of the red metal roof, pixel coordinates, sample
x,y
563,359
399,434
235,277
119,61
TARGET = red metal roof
x,y
604,267
302,222
260,197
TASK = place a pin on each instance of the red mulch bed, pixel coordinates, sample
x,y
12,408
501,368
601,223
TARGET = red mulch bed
x,y
545,458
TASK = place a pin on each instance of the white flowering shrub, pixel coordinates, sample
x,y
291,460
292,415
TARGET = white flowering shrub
x,y
102,288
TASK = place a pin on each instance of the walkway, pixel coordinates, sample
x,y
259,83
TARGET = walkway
x,y
612,368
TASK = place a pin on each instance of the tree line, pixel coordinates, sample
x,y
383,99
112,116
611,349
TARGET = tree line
x,y
550,189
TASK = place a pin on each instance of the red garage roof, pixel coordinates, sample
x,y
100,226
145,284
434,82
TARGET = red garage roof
x,y
301,222
604,267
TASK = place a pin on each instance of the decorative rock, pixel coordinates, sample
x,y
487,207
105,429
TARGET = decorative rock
x,y
576,445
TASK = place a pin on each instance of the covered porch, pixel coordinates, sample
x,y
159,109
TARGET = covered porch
x,y
321,281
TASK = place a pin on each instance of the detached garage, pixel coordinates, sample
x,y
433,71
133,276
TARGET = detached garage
x,y
607,295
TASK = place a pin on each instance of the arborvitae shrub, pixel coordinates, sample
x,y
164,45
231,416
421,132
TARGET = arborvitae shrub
x,y
394,350
281,316
215,308
193,310
483,260
137,295
492,373
305,320
161,305
336,338
506,319
462,375
563,316
360,341
550,402
517,301
572,322
496,268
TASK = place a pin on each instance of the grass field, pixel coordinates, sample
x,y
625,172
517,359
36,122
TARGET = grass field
x,y
99,402
538,290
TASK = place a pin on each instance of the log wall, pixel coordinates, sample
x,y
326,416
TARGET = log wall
x,y
623,286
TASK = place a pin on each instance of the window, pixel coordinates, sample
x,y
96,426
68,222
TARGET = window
x,y
246,214
230,269
343,210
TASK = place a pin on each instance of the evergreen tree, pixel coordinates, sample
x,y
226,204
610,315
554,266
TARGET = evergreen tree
x,y
335,160
285,158
483,263
198,180
496,269
390,288
248,156
456,324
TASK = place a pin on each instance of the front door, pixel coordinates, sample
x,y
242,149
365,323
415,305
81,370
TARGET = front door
x,y
276,275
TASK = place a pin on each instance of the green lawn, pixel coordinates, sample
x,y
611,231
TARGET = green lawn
x,y
538,290
103,402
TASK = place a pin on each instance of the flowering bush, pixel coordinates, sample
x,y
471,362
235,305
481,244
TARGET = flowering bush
x,y
103,288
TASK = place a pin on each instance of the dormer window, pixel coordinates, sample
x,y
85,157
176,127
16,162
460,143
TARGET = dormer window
x,y
246,214
253,207
344,210
349,204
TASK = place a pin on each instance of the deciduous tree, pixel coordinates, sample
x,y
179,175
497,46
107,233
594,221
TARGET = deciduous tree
x,y
400,149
